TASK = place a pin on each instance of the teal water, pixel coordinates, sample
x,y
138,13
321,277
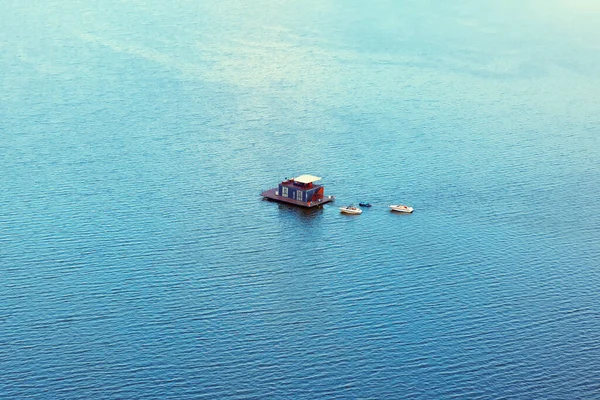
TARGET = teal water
x,y
137,259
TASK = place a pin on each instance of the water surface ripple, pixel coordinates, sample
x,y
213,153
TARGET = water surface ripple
x,y
137,259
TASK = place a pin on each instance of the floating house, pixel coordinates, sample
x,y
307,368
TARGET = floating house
x,y
301,191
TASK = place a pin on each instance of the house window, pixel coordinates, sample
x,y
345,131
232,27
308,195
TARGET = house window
x,y
299,195
284,191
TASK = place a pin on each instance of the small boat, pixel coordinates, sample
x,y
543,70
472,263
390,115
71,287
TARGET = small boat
x,y
364,204
350,210
401,208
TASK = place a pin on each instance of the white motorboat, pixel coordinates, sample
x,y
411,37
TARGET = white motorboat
x,y
350,210
401,208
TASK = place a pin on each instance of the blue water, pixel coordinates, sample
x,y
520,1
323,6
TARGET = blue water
x,y
137,259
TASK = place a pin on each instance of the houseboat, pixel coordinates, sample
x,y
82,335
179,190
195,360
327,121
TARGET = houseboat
x,y
301,191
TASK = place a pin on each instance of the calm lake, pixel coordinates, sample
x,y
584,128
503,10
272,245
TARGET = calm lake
x,y
138,260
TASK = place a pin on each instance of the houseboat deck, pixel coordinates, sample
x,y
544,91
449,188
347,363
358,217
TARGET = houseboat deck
x,y
271,194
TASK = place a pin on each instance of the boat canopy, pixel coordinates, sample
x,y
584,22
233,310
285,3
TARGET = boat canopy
x,y
305,179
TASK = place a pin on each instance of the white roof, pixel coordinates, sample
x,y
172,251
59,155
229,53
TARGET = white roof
x,y
307,179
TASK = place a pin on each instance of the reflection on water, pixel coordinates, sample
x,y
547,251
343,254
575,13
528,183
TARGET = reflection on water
x,y
302,214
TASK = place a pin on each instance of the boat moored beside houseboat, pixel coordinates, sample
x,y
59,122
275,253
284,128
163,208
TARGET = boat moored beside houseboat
x,y
401,208
350,210
301,191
